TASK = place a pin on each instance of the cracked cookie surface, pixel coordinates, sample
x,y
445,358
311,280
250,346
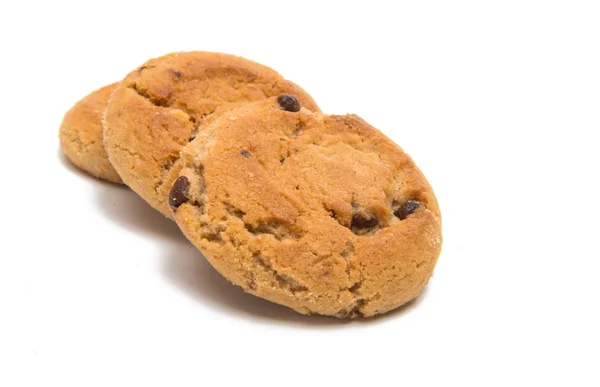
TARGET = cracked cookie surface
x,y
320,213
159,107
81,135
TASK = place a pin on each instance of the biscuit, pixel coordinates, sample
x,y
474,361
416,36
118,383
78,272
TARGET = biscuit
x,y
320,213
81,135
159,107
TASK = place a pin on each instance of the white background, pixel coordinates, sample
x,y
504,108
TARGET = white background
x,y
497,101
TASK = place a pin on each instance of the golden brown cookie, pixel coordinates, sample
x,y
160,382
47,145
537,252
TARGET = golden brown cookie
x,y
81,135
159,107
320,213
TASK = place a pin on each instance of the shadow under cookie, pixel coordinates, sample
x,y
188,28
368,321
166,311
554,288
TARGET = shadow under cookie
x,y
124,207
129,211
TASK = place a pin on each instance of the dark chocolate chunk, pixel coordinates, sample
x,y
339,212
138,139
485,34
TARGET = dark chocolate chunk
x,y
406,209
288,103
176,74
359,221
245,153
179,192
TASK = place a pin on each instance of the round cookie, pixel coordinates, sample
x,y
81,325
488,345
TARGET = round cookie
x,y
320,213
159,107
81,135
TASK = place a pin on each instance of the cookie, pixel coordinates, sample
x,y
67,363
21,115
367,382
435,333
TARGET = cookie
x,y
81,135
159,107
320,213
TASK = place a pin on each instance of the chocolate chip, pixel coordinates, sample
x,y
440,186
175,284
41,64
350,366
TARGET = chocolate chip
x,y
406,209
178,194
141,69
176,73
245,153
288,103
359,221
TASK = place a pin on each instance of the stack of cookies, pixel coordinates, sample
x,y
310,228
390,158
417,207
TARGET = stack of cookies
x,y
321,213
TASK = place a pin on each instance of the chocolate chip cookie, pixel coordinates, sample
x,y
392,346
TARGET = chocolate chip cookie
x,y
159,107
81,135
320,213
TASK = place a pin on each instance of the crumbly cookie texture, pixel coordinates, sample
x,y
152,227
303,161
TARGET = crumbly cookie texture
x,y
81,135
320,213
159,107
